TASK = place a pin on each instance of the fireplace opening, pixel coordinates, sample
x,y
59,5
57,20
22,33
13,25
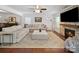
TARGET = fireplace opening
x,y
69,33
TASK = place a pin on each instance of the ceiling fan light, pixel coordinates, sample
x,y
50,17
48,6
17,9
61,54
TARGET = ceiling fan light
x,y
37,6
37,11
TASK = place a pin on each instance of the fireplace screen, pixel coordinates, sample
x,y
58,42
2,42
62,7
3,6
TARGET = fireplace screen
x,y
69,33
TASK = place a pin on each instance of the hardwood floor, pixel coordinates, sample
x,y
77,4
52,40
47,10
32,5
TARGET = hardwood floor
x,y
33,50
58,34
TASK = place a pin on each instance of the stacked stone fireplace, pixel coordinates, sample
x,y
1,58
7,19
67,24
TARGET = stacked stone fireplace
x,y
69,33
68,30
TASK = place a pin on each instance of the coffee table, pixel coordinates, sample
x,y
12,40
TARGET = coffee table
x,y
40,35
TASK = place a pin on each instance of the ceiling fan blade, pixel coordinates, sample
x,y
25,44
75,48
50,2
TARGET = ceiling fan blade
x,y
43,9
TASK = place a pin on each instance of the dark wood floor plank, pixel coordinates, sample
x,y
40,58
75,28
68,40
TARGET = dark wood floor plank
x,y
32,50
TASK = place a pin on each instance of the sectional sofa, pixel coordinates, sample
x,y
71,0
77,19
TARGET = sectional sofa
x,y
18,32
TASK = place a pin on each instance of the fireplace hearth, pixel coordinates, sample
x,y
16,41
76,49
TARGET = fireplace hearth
x,y
69,33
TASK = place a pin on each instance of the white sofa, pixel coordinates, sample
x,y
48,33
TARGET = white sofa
x,y
37,26
18,33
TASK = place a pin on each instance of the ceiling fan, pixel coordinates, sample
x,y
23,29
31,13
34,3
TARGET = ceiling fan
x,y
39,9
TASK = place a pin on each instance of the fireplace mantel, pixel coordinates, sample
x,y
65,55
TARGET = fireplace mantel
x,y
68,26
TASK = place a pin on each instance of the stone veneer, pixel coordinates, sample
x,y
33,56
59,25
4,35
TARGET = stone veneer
x,y
69,26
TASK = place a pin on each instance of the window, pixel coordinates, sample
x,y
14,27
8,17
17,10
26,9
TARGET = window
x,y
57,24
27,20
58,21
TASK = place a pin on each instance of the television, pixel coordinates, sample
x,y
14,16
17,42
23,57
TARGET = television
x,y
70,16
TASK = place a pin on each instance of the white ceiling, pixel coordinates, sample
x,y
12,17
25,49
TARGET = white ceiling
x,y
30,8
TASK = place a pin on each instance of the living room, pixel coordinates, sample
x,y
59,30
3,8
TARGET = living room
x,y
35,26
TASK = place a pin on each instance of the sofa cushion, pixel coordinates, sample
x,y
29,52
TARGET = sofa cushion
x,y
13,28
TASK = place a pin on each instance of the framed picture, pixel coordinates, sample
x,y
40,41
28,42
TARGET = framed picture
x,y
38,19
12,19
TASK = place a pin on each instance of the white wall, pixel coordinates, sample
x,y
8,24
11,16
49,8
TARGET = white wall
x,y
11,12
5,16
27,20
46,18
56,23
8,9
